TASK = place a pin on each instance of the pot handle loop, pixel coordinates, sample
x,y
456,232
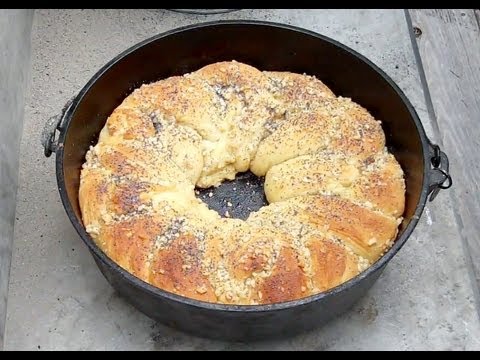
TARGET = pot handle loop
x,y
50,128
439,177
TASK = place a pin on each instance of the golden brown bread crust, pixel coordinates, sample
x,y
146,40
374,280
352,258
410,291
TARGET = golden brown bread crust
x,y
295,90
246,104
161,251
376,182
332,265
367,232
338,124
336,195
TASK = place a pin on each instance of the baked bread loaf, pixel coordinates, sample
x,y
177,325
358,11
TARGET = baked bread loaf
x,y
336,196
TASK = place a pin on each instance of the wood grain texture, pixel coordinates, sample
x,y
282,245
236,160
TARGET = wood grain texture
x,y
449,47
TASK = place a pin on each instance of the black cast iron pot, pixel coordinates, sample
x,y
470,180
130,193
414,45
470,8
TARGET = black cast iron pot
x,y
267,46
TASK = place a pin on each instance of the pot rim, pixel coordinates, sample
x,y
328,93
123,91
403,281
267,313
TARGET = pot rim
x,y
137,282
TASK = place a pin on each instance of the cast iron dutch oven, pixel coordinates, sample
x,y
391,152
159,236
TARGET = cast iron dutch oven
x,y
267,46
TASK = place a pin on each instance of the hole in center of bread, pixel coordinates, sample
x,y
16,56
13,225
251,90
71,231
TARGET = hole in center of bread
x,y
235,198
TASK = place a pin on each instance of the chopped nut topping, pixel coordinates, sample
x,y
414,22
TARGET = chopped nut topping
x,y
332,186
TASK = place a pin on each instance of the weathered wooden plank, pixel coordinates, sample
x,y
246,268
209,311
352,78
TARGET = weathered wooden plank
x,y
449,46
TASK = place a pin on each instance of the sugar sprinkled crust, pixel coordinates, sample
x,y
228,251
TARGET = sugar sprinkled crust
x,y
336,195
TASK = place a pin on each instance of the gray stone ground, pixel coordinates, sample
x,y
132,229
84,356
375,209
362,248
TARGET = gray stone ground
x,y
59,300
15,26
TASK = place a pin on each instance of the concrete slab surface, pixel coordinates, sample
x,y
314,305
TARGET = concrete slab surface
x,y
59,300
15,28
